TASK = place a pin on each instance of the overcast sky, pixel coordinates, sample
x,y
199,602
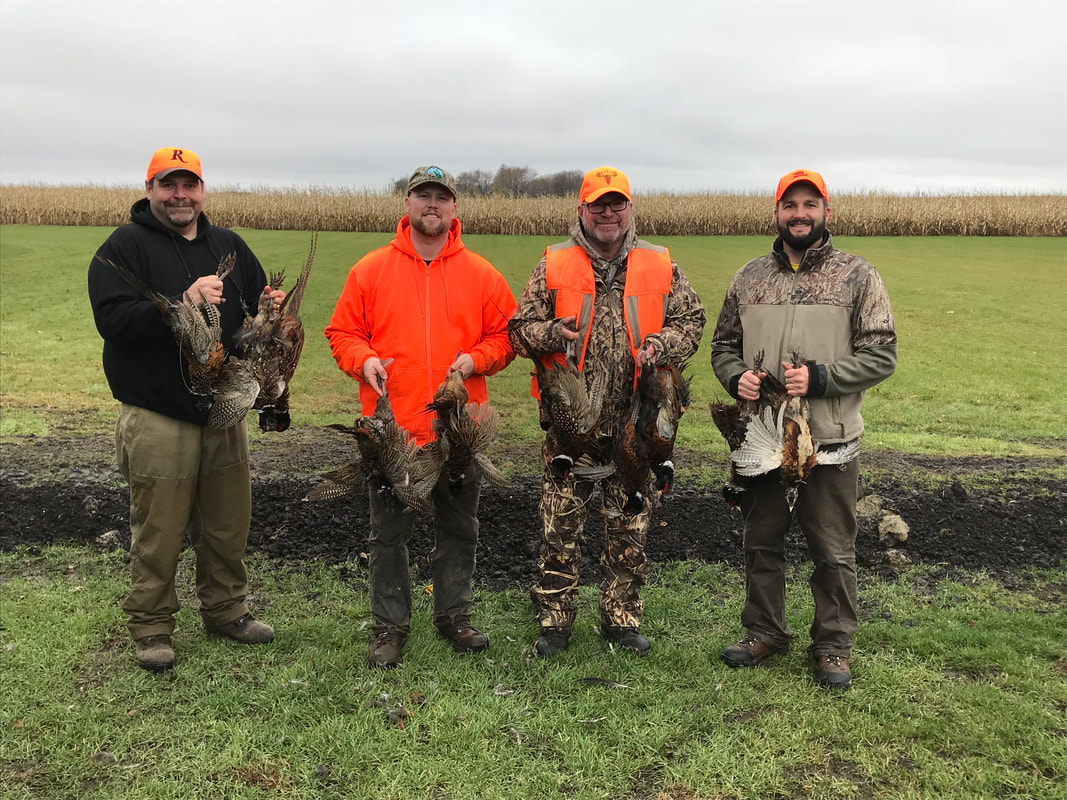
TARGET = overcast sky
x,y
905,96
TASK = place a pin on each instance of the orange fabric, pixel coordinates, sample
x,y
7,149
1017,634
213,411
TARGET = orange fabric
x,y
171,159
796,176
569,275
602,180
395,305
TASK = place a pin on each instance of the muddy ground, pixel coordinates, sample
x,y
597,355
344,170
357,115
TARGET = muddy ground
x,y
65,488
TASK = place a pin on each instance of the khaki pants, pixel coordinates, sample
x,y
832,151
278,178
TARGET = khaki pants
x,y
623,563
826,512
452,561
184,478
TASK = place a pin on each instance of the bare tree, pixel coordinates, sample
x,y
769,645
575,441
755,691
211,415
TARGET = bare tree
x,y
474,183
512,181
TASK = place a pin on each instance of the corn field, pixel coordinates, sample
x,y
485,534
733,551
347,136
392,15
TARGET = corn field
x,y
660,214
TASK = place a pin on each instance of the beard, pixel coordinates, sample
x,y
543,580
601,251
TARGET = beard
x,y
607,235
429,226
180,215
801,243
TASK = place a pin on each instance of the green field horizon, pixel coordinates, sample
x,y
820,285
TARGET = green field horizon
x,y
980,322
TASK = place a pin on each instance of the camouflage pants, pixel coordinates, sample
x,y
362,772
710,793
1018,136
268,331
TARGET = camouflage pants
x,y
826,512
623,563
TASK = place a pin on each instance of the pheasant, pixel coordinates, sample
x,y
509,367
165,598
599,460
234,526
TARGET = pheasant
x,y
271,341
464,432
732,421
645,445
223,384
389,462
570,414
780,438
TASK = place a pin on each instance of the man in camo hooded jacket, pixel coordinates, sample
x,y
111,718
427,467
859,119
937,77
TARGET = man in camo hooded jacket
x,y
615,301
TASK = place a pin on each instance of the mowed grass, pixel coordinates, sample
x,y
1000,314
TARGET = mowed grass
x,y
960,683
980,322
960,693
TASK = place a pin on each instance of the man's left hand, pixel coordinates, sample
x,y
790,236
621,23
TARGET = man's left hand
x,y
796,379
271,295
646,353
465,364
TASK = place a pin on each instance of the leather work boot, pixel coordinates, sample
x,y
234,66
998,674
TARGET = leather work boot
x,y
155,653
245,629
749,652
385,648
626,638
832,671
465,638
551,641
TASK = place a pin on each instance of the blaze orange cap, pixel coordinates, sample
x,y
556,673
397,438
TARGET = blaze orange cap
x,y
171,159
797,176
598,182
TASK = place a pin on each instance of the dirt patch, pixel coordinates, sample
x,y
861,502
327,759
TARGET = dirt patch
x,y
65,488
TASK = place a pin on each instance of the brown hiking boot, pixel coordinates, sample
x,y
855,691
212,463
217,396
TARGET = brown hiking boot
x,y
749,652
551,641
832,671
626,638
155,653
385,648
465,638
246,629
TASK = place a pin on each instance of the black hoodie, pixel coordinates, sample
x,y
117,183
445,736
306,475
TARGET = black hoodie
x,y
141,358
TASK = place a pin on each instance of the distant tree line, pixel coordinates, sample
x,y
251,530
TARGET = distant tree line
x,y
510,181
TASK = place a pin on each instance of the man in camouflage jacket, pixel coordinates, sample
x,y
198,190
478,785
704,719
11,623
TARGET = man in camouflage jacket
x,y
601,252
831,307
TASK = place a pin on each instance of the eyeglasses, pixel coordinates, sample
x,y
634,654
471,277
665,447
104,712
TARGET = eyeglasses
x,y
600,208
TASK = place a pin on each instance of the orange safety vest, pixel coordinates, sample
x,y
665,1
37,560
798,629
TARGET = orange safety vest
x,y
569,276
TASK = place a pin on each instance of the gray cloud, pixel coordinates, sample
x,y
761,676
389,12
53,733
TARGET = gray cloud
x,y
909,96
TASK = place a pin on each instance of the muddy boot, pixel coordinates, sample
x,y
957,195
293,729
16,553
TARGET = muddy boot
x,y
465,638
155,653
245,629
626,638
386,646
551,641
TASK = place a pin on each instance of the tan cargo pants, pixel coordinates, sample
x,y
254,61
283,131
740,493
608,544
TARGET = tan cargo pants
x,y
184,478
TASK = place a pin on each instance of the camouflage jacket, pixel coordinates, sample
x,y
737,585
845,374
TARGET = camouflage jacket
x,y
609,350
834,311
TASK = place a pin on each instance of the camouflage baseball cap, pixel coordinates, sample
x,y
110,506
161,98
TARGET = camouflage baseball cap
x,y
436,175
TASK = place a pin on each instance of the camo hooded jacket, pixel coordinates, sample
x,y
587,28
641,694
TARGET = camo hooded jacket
x,y
833,310
609,350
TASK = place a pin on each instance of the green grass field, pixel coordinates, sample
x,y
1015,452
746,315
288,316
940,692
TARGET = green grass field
x,y
980,322
961,683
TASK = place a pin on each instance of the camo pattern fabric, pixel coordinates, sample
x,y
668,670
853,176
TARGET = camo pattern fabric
x,y
833,310
565,503
608,350
623,564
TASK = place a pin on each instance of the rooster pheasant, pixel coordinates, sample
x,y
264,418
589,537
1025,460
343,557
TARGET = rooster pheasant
x,y
645,445
779,437
465,431
226,386
732,421
271,342
569,414
389,462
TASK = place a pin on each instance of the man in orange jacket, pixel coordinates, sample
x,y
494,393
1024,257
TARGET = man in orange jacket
x,y
405,312
615,301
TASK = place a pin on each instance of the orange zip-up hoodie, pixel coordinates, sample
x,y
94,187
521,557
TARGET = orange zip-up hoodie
x,y
395,305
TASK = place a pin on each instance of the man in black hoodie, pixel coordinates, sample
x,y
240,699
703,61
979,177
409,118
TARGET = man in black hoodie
x,y
183,475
